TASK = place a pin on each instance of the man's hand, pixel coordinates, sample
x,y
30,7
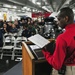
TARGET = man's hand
x,y
50,47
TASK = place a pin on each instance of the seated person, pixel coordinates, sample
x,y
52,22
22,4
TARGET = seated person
x,y
4,29
31,29
1,38
25,32
13,29
17,24
9,26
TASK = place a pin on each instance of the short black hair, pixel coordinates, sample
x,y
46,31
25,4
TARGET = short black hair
x,y
67,11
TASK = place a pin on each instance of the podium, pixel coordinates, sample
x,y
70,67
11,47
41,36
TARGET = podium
x,y
31,65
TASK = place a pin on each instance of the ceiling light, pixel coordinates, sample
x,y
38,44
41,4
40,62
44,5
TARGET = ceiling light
x,y
38,3
14,7
74,10
33,10
19,10
23,11
25,7
5,5
4,9
28,9
34,1
45,8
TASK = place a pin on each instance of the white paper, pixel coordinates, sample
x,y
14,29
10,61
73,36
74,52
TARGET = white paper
x,y
33,47
39,40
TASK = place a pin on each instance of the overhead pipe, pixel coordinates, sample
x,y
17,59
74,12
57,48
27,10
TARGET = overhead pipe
x,y
28,3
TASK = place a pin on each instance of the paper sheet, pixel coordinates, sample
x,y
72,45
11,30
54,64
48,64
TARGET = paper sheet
x,y
39,40
33,47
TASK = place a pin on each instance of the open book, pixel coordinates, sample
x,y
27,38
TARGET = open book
x,y
39,40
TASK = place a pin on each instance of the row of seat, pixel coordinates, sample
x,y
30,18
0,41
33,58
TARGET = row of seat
x,y
12,46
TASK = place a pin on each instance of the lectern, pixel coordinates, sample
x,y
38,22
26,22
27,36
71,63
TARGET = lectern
x,y
31,65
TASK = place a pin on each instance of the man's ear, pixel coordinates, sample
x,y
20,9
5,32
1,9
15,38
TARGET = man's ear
x,y
66,18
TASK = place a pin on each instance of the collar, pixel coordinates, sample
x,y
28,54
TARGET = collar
x,y
70,26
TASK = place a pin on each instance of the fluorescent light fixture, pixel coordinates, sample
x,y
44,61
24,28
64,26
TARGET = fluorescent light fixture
x,y
54,14
38,11
19,10
4,9
13,10
34,1
14,7
74,10
23,11
38,3
33,10
45,8
28,9
7,6
25,7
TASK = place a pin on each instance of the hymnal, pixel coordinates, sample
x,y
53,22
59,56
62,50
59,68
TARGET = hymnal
x,y
39,40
